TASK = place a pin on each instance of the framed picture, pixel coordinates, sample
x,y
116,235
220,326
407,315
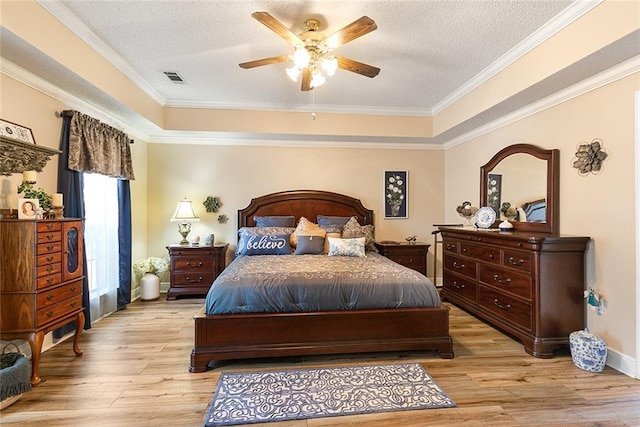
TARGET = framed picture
x,y
494,192
16,132
396,201
28,208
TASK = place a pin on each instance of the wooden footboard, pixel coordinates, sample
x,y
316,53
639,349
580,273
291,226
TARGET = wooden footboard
x,y
245,336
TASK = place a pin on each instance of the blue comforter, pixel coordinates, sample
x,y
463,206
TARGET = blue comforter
x,y
302,283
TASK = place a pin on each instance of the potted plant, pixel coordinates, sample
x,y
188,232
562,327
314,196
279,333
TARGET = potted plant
x,y
149,271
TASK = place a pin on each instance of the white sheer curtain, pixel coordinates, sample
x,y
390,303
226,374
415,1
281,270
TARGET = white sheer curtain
x,y
101,242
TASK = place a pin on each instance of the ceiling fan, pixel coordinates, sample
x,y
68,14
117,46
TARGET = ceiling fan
x,y
312,55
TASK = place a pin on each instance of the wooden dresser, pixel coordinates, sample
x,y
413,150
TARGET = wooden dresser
x,y
40,281
412,255
194,268
529,285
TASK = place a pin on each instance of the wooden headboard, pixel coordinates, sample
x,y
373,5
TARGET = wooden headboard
x,y
304,203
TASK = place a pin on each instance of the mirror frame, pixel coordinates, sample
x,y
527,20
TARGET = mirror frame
x,y
553,185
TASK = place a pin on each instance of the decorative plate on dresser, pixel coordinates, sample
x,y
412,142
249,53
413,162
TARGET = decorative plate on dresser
x,y
485,217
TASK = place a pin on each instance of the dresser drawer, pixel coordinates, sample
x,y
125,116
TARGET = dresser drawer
x,y
50,237
481,253
45,270
508,281
450,246
190,279
517,259
56,311
50,280
55,295
459,286
50,247
511,309
49,259
460,266
44,226
192,263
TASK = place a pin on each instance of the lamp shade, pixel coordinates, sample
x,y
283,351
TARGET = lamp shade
x,y
184,212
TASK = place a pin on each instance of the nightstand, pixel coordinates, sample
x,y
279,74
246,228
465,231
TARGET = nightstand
x,y
194,268
412,255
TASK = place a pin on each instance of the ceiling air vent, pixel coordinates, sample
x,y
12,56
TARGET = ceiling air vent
x,y
174,77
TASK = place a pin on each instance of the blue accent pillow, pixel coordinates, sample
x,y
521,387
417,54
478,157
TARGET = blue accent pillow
x,y
274,221
332,220
276,244
313,245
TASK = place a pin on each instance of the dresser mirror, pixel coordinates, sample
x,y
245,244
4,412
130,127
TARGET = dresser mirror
x,y
527,177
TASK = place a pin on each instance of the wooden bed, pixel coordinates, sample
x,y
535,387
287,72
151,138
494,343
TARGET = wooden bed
x,y
259,335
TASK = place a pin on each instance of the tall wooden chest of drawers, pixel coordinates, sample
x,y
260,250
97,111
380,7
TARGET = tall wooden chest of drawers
x,y
40,281
194,268
529,285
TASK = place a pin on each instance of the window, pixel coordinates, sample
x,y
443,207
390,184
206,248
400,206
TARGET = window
x,y
101,242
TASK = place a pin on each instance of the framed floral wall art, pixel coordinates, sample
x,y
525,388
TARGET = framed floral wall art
x,y
396,202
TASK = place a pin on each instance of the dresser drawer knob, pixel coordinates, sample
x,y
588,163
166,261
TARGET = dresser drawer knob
x,y
49,237
501,281
49,258
49,280
450,246
502,306
50,226
513,261
49,247
49,268
49,297
190,280
194,265
457,266
49,313
73,289
73,304
458,285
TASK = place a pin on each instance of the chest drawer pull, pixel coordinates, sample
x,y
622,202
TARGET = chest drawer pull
x,y
502,306
196,265
49,297
73,304
457,266
513,261
49,280
501,281
73,289
190,280
49,313
458,285
450,246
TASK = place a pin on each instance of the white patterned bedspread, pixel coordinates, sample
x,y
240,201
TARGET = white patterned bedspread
x,y
296,283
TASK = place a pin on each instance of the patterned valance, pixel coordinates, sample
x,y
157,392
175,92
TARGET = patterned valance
x,y
99,148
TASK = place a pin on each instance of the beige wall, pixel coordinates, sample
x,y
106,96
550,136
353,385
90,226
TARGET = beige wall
x,y
599,206
237,174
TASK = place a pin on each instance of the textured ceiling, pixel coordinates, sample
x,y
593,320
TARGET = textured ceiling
x,y
426,50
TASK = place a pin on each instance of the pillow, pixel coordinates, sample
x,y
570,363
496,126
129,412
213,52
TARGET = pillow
x,y
354,229
262,231
333,220
313,245
275,244
326,240
275,221
346,247
306,228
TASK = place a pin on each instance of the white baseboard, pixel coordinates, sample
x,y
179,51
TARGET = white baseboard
x,y
621,362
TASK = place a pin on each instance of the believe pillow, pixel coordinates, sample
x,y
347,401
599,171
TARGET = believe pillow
x,y
277,244
346,247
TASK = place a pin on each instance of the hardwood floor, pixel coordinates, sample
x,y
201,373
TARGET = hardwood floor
x,y
134,373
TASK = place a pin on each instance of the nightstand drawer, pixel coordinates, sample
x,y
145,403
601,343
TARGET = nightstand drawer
x,y
411,261
410,255
191,264
194,278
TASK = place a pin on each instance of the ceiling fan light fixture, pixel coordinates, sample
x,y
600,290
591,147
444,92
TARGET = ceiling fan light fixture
x,y
301,57
317,79
293,73
329,65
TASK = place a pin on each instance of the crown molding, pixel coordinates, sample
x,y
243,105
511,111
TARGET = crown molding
x,y
620,71
562,20
71,21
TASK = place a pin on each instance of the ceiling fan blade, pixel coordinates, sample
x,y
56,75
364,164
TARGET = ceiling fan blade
x,y
276,26
306,80
351,32
357,67
264,61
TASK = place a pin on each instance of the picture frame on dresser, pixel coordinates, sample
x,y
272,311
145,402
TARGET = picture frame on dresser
x,y
396,194
28,208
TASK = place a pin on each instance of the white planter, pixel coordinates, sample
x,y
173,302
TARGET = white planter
x,y
149,287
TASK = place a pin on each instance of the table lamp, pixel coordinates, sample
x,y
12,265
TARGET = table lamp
x,y
185,215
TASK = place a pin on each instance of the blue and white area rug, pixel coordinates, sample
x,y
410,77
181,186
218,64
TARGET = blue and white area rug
x,y
323,392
